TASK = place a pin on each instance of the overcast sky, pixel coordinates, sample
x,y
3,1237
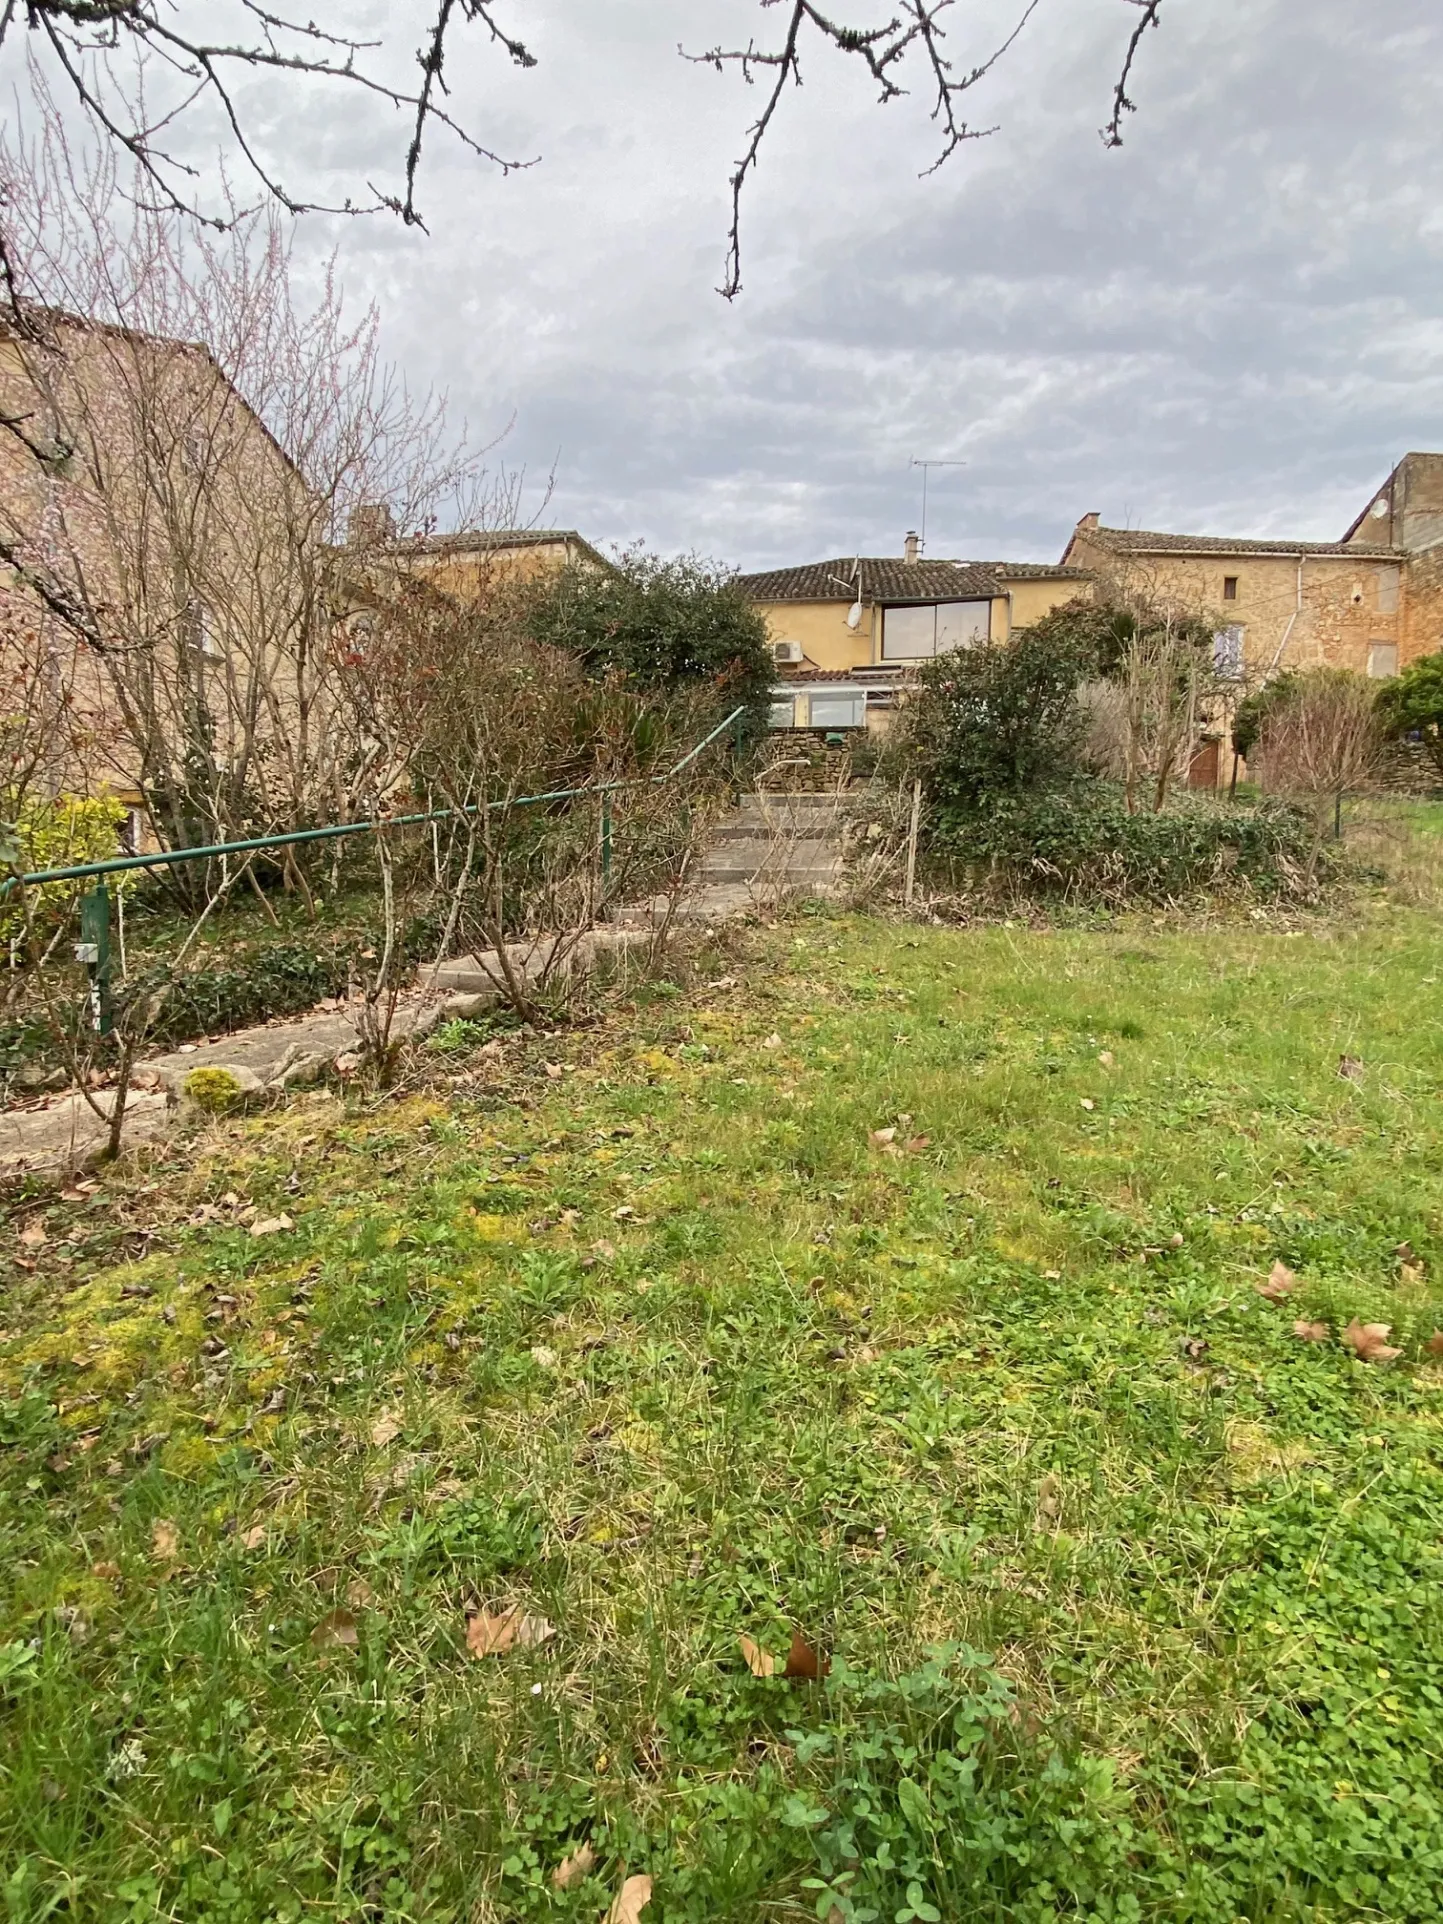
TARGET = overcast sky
x,y
1232,325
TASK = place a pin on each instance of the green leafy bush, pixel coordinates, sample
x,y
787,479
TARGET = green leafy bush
x,y
1084,845
658,625
998,721
1412,704
59,833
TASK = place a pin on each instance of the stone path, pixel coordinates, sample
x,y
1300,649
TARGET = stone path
x,y
66,1134
772,847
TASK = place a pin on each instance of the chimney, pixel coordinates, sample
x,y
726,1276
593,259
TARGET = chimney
x,y
1090,520
371,525
909,546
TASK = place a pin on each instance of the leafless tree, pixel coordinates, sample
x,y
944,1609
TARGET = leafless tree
x,y
182,449
195,55
1324,742
471,720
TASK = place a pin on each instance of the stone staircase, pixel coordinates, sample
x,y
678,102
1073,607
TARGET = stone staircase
x,y
770,848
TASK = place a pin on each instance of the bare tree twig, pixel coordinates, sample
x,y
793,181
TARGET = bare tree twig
x,y
1112,132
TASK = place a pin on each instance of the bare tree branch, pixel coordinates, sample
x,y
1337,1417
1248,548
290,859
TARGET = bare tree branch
x,y
96,45
917,25
1112,132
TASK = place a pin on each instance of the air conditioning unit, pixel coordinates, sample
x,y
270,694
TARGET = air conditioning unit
x,y
786,651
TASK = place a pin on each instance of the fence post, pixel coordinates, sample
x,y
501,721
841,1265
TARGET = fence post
x,y
93,949
909,890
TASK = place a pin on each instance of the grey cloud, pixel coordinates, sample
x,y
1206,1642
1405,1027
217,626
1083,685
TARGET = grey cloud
x,y
1233,324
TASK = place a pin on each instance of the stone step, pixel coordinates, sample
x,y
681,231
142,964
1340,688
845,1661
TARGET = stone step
x,y
760,853
779,877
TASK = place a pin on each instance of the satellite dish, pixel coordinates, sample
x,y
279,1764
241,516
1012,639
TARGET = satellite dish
x,y
854,614
1380,507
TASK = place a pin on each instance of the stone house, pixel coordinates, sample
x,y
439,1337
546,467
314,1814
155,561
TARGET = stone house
x,y
160,575
1372,601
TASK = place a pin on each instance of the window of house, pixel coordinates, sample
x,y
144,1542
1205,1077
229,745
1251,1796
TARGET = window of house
x,y
1230,587
1382,660
840,708
783,714
916,634
1228,651
909,634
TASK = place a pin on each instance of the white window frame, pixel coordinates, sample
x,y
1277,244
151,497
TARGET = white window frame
x,y
854,698
783,712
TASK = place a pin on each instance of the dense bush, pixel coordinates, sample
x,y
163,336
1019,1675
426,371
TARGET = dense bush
x,y
658,625
1412,704
1083,844
62,833
985,723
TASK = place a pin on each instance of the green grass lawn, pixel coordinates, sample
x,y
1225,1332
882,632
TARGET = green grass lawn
x,y
1131,1597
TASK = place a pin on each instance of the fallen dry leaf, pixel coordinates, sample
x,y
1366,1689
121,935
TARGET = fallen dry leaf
x,y
33,1236
543,1356
73,1196
1370,1341
879,1138
490,1632
554,1070
1410,1274
1434,1345
1088,1103
164,1540
914,1145
1311,1332
1049,1502
604,1250
630,1901
571,1870
1350,1068
1404,1252
358,1593
569,1218
760,1662
1107,1058
386,1428
271,1225
336,1632
254,1537
107,1572
773,1041
1280,1284
803,1661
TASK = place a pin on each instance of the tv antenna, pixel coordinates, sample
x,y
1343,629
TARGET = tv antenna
x,y
924,466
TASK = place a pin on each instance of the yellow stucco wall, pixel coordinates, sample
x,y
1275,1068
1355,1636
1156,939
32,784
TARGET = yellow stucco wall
x,y
827,641
1031,600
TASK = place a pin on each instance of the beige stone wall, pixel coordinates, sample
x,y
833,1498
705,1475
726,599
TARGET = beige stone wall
x,y
1324,610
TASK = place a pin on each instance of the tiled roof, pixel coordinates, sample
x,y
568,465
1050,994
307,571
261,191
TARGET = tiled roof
x,y
1145,541
886,578
1033,571
494,540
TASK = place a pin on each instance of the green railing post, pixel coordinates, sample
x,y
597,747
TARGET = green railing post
x,y
93,949
606,842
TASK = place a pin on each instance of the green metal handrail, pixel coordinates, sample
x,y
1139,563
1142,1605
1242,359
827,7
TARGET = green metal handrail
x,y
93,949
167,858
